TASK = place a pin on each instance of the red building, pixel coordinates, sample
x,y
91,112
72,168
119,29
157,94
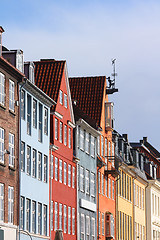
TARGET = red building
x,y
90,94
51,77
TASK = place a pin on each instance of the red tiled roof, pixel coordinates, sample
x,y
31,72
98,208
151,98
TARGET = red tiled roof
x,y
88,92
48,76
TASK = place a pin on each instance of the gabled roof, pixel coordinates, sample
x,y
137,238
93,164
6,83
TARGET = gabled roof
x,y
88,93
48,76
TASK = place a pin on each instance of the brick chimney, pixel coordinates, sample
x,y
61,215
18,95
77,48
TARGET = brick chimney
x,y
1,31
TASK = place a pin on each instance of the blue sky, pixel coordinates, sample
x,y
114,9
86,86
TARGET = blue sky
x,y
88,34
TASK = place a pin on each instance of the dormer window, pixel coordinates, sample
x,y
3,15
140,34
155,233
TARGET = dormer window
x,y
31,72
19,60
151,174
155,172
65,100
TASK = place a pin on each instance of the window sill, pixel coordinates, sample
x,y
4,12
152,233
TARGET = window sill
x,y
2,164
2,106
11,168
13,113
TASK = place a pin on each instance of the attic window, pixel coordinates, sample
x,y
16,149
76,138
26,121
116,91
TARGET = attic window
x,y
151,170
19,61
61,97
65,100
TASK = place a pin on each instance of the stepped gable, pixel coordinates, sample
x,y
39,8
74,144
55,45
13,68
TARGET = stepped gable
x,y
48,76
88,93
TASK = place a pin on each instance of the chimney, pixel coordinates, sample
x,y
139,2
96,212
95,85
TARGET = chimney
x,y
1,31
125,136
145,139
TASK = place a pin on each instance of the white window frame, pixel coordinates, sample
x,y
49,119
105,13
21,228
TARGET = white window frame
x,y
65,135
22,213
34,163
23,104
81,139
28,170
39,227
60,216
92,146
93,228
52,215
28,220
1,145
87,145
82,179
102,224
61,97
73,177
34,113
1,202
92,185
65,101
65,173
87,227
45,121
51,166
56,169
113,189
69,220
33,217
69,175
45,169
60,170
87,181
55,216
39,166
10,204
65,218
73,221
2,87
69,137
102,183
61,132
45,220
11,95
11,150
102,145
22,156
109,195
82,222
56,128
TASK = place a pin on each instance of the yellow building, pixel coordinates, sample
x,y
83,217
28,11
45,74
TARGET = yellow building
x,y
130,187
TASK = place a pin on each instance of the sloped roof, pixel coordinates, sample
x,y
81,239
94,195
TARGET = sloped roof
x,y
88,92
152,149
48,76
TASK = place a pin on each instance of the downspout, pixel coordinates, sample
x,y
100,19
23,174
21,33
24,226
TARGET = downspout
x,y
20,153
117,217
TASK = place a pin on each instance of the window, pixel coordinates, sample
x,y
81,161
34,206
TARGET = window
x,y
82,179
73,177
2,88
81,139
10,204
87,181
45,121
99,182
28,114
93,228
102,145
56,128
45,169
65,173
40,123
28,160
87,227
39,218
39,166
51,166
69,220
87,143
51,215
109,148
11,150
34,163
1,145
65,219
60,171
55,215
106,186
61,97
60,216
28,207
102,184
137,196
61,132
112,189
98,145
34,113
1,202
65,135
33,216
65,100
22,213
69,175
56,169
45,220
23,104
23,156
69,138
73,221
92,146
105,147
92,185
82,222
11,95
103,224
99,223
109,188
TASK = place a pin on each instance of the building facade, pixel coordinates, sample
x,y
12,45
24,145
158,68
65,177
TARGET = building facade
x,y
34,161
85,151
63,167
10,78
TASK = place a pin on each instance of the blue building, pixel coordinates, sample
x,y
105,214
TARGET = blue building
x,y
85,152
34,158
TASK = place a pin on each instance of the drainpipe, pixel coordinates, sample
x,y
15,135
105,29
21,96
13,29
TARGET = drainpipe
x,y
25,79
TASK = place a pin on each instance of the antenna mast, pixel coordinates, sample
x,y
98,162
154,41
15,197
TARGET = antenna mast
x,y
111,88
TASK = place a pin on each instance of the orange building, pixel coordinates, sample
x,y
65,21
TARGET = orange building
x,y
90,94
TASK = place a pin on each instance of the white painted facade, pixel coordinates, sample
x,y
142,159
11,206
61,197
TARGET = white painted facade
x,y
153,210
